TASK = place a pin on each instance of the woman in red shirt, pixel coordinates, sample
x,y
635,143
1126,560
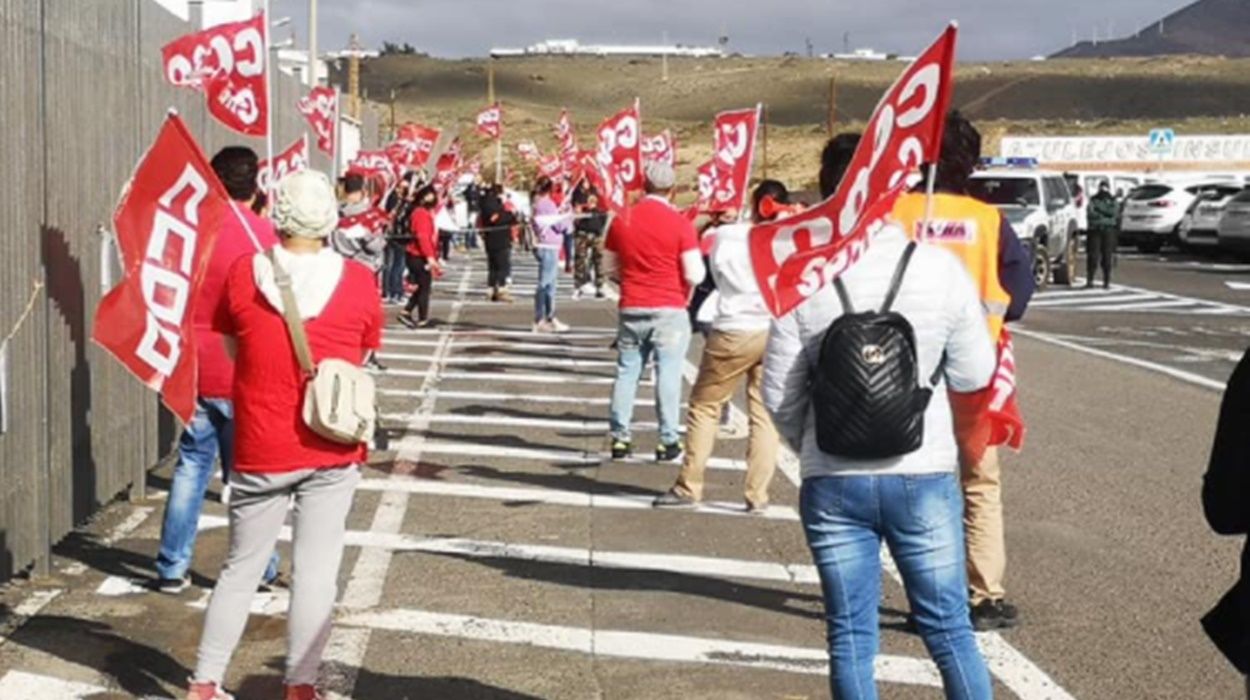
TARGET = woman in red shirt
x,y
279,460
422,258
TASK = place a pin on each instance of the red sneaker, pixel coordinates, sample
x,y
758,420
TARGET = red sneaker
x,y
303,692
207,690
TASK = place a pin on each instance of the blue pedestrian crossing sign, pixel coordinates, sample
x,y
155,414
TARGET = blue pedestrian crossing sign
x,y
1162,141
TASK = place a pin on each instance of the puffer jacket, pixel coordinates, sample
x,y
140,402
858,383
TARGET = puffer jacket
x,y
940,301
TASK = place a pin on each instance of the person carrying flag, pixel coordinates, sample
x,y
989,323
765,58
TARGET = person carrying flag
x,y
1000,267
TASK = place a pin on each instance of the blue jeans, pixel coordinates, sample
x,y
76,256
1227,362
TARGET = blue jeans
x,y
393,272
921,519
570,249
210,432
664,333
545,290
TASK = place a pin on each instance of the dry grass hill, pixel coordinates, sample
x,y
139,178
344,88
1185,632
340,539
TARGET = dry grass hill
x,y
1119,96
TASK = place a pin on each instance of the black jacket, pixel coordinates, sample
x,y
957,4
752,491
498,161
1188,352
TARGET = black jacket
x,y
497,221
1226,503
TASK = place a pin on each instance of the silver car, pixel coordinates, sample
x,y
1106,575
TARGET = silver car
x,y
1200,226
1234,231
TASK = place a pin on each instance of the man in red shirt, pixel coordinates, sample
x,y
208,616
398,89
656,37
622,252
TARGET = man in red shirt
x,y
211,430
655,251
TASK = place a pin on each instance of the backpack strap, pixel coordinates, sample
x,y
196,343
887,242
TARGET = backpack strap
x,y
897,282
290,312
843,296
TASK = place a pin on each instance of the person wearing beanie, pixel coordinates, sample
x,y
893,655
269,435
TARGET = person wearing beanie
x,y
211,430
280,462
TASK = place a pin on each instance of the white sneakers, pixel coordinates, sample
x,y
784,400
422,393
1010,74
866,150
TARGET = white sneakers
x,y
554,325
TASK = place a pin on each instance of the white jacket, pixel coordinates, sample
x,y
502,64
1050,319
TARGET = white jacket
x,y
940,301
739,305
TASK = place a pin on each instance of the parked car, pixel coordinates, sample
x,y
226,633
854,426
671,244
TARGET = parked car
x,y
1200,225
1234,230
1153,212
1041,209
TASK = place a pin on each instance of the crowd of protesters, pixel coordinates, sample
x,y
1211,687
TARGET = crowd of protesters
x,y
909,463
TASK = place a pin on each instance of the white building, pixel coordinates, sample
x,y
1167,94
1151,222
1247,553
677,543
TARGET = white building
x,y
572,47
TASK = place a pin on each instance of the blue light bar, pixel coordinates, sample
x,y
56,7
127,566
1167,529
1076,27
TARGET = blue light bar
x,y
999,162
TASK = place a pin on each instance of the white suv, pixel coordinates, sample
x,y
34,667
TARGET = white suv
x,y
1040,208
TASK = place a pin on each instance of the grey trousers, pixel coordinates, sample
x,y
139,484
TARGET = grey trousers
x,y
258,508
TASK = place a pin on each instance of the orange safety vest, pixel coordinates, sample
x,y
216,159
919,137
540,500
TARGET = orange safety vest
x,y
970,230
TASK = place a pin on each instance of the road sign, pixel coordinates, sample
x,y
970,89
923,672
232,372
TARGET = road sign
x,y
1162,141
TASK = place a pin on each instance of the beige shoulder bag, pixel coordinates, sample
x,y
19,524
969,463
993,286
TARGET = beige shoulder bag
x,y
339,397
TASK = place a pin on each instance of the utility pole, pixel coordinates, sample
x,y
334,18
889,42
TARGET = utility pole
x,y
664,59
313,78
353,77
832,117
392,138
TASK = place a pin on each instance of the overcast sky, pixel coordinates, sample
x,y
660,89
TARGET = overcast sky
x,y
990,29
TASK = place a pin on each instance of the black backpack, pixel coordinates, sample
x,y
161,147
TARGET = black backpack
x,y
867,396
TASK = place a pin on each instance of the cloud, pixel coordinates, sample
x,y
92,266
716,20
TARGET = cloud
x,y
990,29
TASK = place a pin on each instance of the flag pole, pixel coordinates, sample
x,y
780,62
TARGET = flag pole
x,y
336,134
268,88
759,111
929,201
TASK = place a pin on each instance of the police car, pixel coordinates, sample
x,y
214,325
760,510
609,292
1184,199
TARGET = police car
x,y
1040,208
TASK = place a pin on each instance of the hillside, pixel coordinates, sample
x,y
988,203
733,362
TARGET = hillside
x,y
1193,94
1208,27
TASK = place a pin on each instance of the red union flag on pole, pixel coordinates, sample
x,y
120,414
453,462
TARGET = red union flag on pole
x,y
620,146
166,224
413,145
567,139
551,166
735,153
321,109
607,182
660,148
529,151
293,159
490,122
706,185
795,257
227,62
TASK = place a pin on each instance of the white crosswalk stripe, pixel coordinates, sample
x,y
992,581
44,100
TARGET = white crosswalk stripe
x,y
1127,299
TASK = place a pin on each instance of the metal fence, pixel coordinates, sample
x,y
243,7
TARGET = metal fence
x,y
82,95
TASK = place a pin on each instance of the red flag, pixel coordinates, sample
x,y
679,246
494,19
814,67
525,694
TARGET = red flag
x,y
166,223
293,159
529,151
706,185
227,62
795,257
377,164
567,139
321,108
490,122
661,148
607,182
735,151
448,167
413,145
620,146
551,166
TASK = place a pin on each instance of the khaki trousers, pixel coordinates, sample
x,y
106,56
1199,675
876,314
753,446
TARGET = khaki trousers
x,y
727,358
983,525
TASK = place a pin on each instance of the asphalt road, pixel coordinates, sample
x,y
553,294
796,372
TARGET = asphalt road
x,y
495,553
